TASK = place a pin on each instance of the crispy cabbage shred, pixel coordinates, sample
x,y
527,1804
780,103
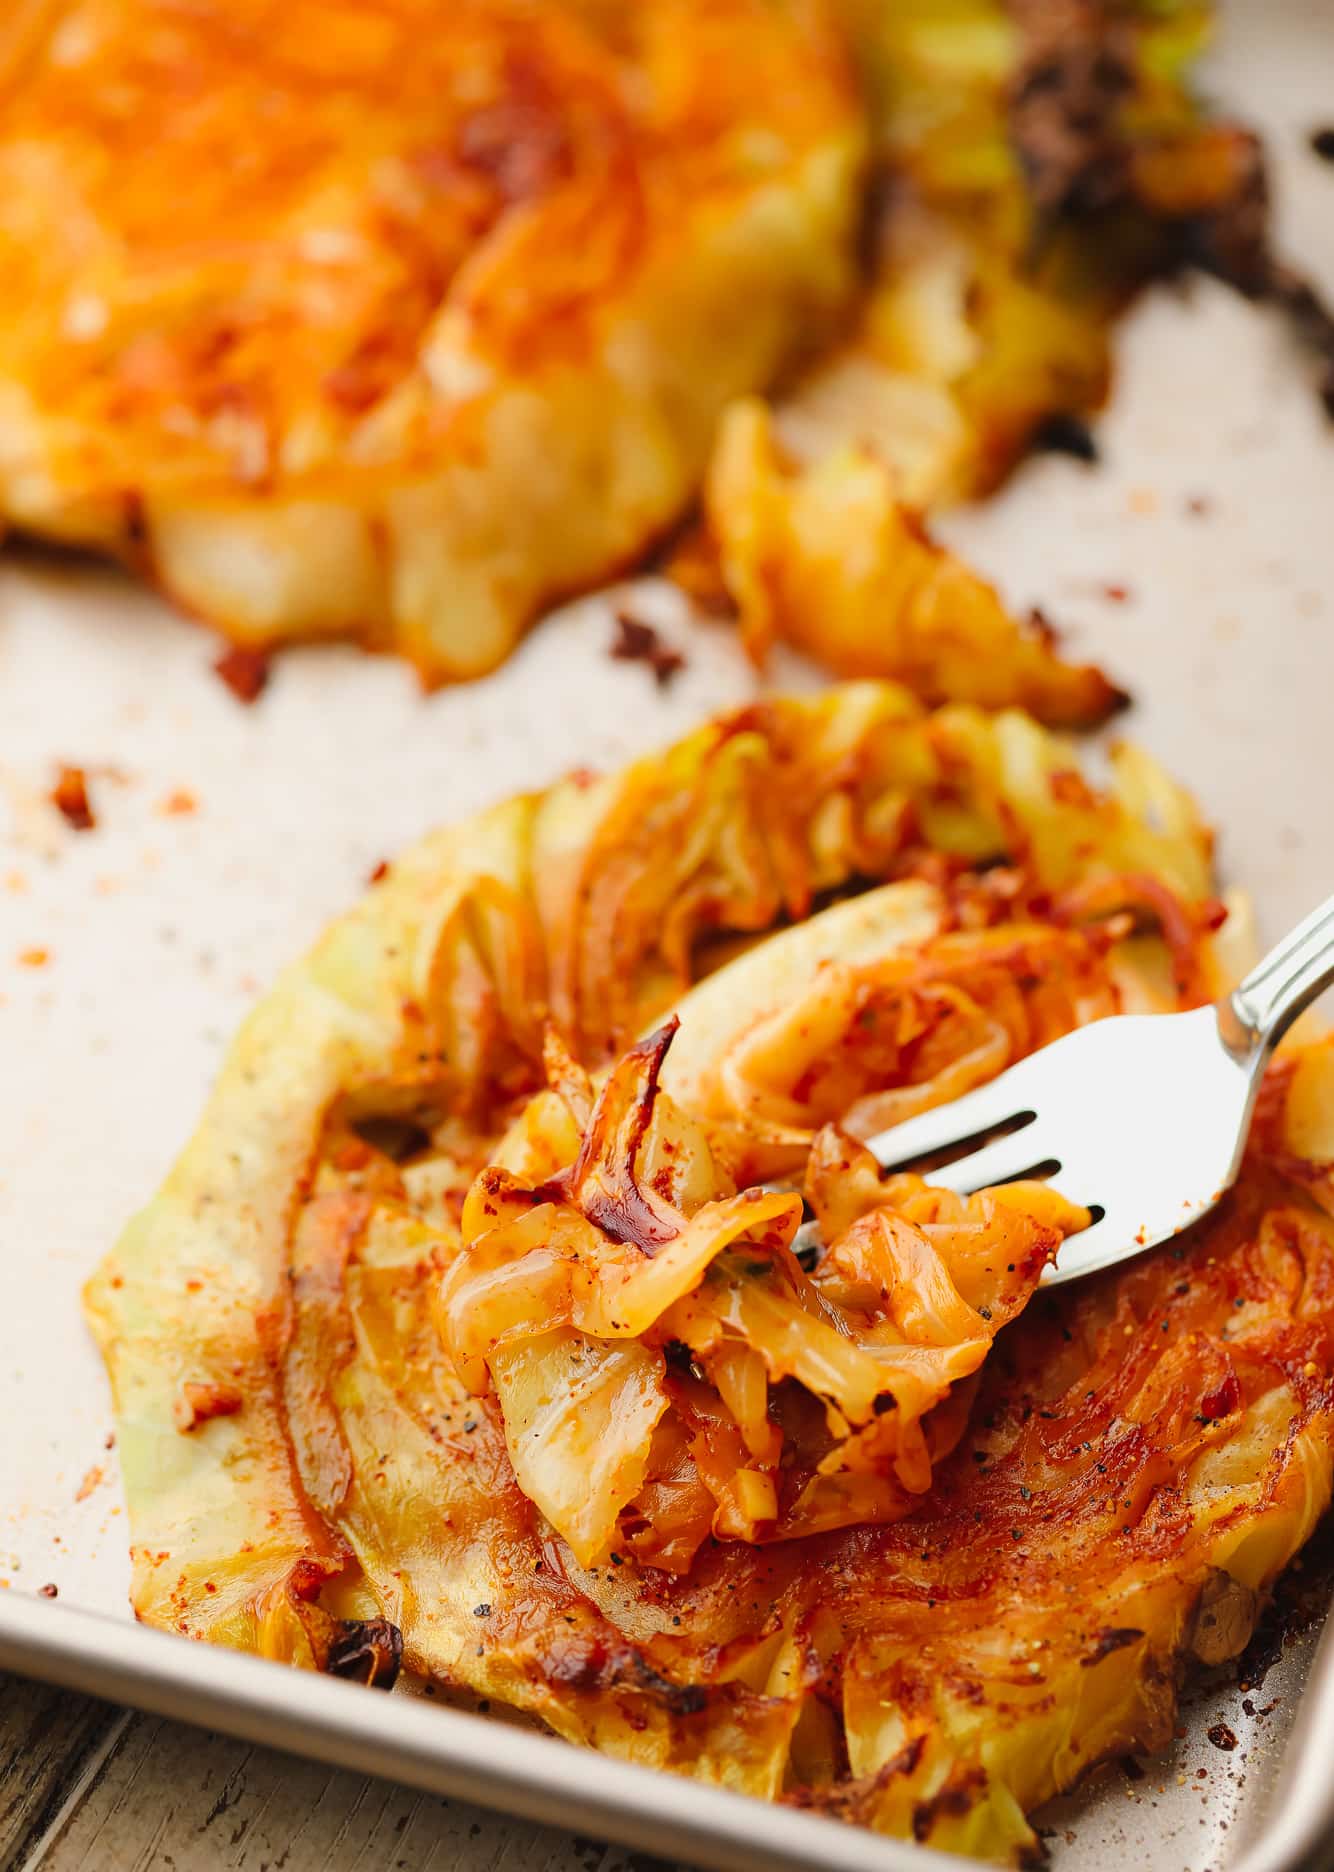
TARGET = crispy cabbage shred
x,y
633,1331
829,558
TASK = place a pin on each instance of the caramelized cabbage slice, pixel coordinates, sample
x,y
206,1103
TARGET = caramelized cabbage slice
x,y
1032,166
449,341
1038,164
1151,1453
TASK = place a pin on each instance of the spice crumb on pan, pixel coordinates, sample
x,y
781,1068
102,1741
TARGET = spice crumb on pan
x,y
178,804
1300,1600
35,957
49,1591
69,796
1064,433
638,642
1322,143
90,1481
245,672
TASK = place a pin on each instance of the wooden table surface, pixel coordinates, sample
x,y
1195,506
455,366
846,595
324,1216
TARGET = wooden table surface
x,y
86,1787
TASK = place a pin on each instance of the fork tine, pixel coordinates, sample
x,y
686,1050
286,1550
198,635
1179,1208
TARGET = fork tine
x,y
1000,1162
945,1125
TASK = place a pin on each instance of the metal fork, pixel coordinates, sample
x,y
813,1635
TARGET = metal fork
x,y
1140,1117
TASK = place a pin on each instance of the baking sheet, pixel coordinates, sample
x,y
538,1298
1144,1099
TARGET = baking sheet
x,y
1195,562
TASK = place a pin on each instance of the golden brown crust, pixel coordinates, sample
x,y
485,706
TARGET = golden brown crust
x,y
311,283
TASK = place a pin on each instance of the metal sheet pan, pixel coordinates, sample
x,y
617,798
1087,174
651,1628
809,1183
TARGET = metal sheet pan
x,y
448,1752
227,837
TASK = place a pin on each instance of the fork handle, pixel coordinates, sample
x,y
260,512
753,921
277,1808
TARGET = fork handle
x,y
1277,990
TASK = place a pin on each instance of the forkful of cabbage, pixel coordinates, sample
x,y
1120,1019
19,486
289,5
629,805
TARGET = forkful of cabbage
x,y
1140,1118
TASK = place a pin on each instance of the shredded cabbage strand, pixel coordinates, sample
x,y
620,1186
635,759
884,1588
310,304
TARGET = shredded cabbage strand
x,y
664,1366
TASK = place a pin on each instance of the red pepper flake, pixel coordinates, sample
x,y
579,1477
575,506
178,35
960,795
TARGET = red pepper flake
x,y
245,672
89,1483
1222,1401
381,870
110,1441
198,1403
1222,1737
637,642
1116,594
49,1591
69,796
34,958
178,804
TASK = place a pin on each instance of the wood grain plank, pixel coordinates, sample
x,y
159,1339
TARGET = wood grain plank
x,y
169,1797
46,1737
